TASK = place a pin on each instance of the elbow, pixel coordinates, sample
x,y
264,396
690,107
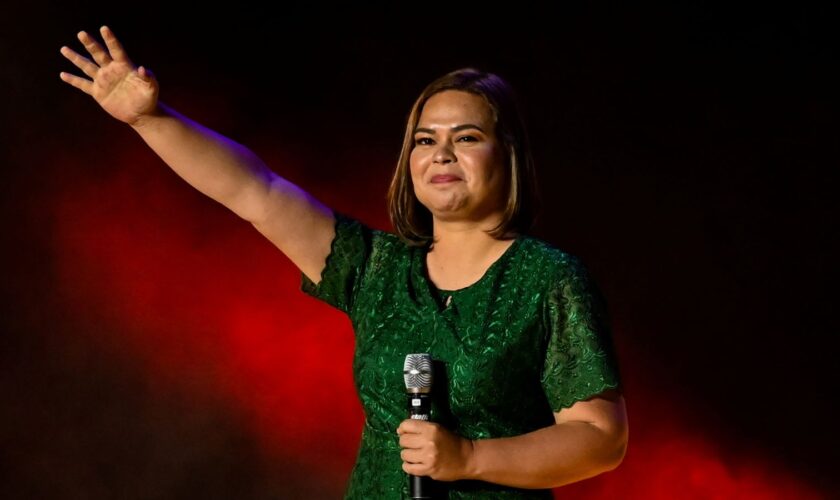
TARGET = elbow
x,y
611,449
615,458
605,458
616,432
615,449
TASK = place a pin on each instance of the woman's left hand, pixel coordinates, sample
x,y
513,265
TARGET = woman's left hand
x,y
429,449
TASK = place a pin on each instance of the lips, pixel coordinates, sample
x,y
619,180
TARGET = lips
x,y
445,178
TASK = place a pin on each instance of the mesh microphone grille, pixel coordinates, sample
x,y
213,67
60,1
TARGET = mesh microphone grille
x,y
418,371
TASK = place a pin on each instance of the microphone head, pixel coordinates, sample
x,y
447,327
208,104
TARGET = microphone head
x,y
417,372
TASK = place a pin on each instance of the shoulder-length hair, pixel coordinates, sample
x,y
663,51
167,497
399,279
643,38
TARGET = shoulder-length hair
x,y
411,220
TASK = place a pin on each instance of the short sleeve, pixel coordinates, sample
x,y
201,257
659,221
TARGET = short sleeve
x,y
580,357
345,264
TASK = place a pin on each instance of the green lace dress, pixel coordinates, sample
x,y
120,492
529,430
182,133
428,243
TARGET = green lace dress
x,y
529,338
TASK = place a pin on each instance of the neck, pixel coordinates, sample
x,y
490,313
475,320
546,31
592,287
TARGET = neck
x,y
465,243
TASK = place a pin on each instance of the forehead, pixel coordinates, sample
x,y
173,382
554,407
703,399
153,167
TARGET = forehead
x,y
456,107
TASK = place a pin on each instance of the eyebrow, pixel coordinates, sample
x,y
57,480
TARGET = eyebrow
x,y
456,128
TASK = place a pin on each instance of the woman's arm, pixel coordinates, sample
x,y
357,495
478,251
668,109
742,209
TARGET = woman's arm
x,y
297,223
293,220
587,439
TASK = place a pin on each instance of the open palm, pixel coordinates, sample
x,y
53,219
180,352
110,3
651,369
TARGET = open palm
x,y
125,92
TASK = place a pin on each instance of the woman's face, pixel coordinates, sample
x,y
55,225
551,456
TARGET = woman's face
x,y
457,164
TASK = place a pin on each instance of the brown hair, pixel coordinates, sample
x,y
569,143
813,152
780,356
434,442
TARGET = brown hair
x,y
411,220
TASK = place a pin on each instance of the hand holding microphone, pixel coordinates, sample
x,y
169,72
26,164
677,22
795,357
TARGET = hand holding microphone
x,y
430,451
417,372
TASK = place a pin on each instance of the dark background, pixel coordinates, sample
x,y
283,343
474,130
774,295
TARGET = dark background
x,y
688,155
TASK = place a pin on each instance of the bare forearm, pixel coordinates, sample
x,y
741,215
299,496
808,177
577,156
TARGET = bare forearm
x,y
215,165
546,458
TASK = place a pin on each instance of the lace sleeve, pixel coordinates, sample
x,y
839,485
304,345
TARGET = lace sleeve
x,y
580,360
345,265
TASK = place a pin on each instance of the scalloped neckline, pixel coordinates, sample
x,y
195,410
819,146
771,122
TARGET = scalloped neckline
x,y
487,273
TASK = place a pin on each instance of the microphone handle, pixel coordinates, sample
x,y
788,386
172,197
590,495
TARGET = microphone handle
x,y
421,487
419,408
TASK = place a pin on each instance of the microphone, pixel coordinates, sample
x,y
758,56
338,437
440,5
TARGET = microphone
x,y
417,372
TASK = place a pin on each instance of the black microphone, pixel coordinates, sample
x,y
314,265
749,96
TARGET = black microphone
x,y
418,385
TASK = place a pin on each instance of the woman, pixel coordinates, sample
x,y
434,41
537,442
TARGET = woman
x,y
527,390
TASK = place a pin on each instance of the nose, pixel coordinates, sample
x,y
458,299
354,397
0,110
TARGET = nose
x,y
444,154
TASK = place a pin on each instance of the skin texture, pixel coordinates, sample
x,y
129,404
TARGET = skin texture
x,y
588,438
456,136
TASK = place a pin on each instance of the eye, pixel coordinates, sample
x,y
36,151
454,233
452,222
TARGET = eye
x,y
467,138
423,141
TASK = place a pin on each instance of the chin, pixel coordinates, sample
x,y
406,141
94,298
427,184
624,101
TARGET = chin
x,y
446,207
445,204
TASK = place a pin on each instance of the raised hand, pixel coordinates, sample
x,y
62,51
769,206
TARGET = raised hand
x,y
127,93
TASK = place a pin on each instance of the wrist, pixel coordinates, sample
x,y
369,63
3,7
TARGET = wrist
x,y
471,464
145,119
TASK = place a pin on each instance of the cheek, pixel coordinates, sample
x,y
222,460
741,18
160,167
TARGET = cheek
x,y
413,169
417,158
491,164
418,163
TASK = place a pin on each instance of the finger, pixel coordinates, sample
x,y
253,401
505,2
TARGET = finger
x,y
81,62
415,469
85,86
412,426
99,55
412,456
411,441
146,73
114,46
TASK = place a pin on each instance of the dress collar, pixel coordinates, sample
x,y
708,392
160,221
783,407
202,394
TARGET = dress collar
x,y
426,291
